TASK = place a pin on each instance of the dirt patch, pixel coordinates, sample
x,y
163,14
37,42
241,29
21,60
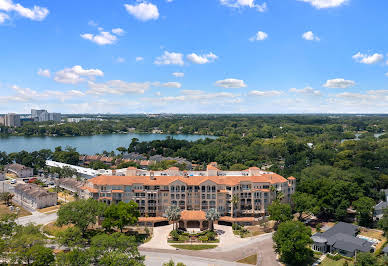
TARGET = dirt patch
x,y
5,210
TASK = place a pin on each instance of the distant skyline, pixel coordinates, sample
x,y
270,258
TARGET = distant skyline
x,y
194,56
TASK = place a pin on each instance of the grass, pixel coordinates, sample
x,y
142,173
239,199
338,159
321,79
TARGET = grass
x,y
376,234
249,260
52,229
5,210
49,209
330,262
67,197
194,247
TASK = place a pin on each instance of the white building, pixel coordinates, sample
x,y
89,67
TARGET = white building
x,y
34,196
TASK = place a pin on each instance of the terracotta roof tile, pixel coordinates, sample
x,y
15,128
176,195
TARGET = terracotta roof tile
x,y
152,219
193,215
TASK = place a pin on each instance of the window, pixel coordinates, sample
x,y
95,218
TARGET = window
x,y
172,189
177,189
203,189
183,188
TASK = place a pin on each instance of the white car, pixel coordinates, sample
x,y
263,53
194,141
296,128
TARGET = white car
x,y
13,181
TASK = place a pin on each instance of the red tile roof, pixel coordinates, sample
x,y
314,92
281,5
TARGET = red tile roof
x,y
193,215
291,178
236,219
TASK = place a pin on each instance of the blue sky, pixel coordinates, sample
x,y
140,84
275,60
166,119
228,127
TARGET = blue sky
x,y
194,56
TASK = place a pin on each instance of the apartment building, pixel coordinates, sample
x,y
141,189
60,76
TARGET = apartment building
x,y
193,190
10,120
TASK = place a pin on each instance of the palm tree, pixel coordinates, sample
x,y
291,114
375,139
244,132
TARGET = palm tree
x,y
212,215
173,213
235,201
279,196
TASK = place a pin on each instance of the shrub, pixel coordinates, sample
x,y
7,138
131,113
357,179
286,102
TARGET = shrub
x,y
211,235
174,234
336,257
183,238
236,227
203,238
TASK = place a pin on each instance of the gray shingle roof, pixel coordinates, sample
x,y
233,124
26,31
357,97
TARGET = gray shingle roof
x,y
381,205
385,249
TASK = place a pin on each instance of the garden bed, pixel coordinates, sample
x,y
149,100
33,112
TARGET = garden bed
x,y
180,236
194,247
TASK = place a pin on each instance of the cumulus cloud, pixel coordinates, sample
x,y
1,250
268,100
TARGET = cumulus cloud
x,y
172,84
76,74
339,83
202,59
244,3
170,59
104,37
117,87
3,17
231,83
118,31
310,36
307,90
319,4
44,73
143,11
36,13
368,59
139,58
198,96
178,74
259,36
265,93
120,59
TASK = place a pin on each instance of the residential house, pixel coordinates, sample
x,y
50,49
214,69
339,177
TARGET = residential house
x,y
20,170
341,238
35,196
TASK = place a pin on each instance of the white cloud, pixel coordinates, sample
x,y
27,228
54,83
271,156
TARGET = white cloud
x,y
3,17
103,38
76,75
368,59
172,84
259,36
231,83
139,58
265,93
244,3
143,11
198,96
118,31
310,36
202,59
307,90
178,74
36,13
120,60
92,23
325,3
117,87
170,59
44,73
339,83
386,74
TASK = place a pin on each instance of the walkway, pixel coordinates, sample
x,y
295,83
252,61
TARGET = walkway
x,y
37,218
159,238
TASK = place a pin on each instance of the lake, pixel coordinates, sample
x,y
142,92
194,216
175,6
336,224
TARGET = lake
x,y
84,144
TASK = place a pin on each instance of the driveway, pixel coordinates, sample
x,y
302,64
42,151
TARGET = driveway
x,y
159,238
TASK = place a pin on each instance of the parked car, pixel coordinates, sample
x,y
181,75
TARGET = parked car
x,y
13,181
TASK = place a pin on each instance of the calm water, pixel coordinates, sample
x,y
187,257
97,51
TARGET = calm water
x,y
84,144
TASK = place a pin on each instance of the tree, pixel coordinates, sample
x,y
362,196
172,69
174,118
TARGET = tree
x,y
173,213
6,197
172,263
40,255
115,249
120,215
122,150
383,222
303,202
71,237
212,215
235,202
279,212
80,213
292,241
75,257
21,244
364,207
7,225
365,259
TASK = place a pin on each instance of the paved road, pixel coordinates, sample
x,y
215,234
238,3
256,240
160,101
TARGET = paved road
x,y
37,218
157,259
261,245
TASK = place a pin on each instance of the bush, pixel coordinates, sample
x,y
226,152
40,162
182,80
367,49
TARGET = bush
x,y
336,257
236,227
203,238
183,238
174,234
211,235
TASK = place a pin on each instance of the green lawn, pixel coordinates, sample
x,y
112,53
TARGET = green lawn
x,y
194,247
249,260
330,262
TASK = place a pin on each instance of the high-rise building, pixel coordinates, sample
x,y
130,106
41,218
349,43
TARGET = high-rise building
x,y
12,120
43,116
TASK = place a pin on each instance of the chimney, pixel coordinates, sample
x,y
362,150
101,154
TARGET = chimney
x,y
152,176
